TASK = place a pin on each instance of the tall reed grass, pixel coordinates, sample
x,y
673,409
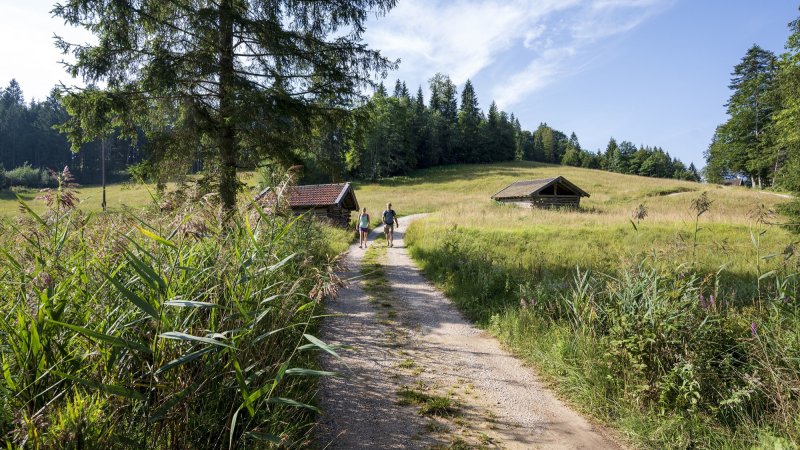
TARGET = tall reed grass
x,y
137,330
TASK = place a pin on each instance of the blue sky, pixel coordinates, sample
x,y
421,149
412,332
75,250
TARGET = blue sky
x,y
653,72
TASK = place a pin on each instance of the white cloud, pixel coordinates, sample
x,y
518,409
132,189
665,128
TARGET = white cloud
x,y
542,39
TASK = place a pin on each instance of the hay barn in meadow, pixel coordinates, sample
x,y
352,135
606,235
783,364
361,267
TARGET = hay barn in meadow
x,y
332,202
544,193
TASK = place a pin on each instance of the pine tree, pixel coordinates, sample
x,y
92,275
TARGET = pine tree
x,y
470,144
245,76
743,143
444,117
787,120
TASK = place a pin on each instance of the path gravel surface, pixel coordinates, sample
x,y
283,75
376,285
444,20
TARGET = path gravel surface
x,y
423,344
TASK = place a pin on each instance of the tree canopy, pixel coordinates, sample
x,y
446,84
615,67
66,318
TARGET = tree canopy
x,y
235,80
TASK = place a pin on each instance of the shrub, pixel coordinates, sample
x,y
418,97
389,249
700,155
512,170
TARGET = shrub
x,y
792,211
25,175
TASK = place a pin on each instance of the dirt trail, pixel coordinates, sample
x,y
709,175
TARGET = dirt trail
x,y
418,342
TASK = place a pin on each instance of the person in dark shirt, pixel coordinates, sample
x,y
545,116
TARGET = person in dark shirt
x,y
389,223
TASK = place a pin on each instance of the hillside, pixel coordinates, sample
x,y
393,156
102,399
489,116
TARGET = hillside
x,y
118,196
600,234
671,331
613,195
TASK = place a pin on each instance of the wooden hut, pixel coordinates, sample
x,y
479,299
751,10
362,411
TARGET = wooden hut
x,y
545,193
738,181
332,202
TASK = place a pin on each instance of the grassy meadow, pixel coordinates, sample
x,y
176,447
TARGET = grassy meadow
x,y
119,196
682,331
599,235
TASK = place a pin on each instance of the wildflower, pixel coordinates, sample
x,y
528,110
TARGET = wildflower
x,y
754,329
533,302
43,280
711,300
522,303
702,301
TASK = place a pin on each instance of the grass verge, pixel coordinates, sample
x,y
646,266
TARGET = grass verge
x,y
669,354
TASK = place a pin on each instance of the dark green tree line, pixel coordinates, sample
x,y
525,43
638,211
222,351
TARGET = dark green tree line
x,y
399,134
28,138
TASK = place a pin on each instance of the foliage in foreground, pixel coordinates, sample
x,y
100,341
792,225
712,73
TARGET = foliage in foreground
x,y
667,353
119,332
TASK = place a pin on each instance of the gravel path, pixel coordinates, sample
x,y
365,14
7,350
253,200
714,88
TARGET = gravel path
x,y
427,346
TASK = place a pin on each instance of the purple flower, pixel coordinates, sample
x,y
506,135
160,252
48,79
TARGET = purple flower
x,y
753,329
711,300
532,302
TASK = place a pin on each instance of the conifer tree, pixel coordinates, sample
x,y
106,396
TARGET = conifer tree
x,y
787,120
242,75
469,121
742,144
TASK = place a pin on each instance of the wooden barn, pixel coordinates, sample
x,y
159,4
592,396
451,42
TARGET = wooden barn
x,y
332,202
545,193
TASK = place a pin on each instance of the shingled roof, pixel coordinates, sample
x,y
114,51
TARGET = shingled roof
x,y
312,195
533,187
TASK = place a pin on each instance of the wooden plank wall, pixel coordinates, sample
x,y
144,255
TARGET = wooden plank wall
x,y
546,201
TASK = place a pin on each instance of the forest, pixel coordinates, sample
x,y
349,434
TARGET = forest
x,y
390,134
31,144
399,133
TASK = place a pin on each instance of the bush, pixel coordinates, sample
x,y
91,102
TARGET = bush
x,y
28,176
792,211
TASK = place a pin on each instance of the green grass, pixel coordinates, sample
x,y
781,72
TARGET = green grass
x,y
616,316
462,195
119,196
429,404
376,283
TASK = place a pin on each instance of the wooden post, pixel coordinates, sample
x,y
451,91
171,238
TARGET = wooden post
x,y
103,169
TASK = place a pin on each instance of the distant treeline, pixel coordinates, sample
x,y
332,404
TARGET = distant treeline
x,y
388,135
761,138
397,133
30,144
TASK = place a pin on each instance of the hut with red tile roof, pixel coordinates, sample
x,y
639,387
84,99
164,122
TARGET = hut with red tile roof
x,y
331,202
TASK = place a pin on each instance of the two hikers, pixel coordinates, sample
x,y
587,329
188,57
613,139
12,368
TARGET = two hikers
x,y
389,218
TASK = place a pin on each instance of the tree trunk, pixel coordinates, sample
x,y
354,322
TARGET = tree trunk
x,y
226,133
